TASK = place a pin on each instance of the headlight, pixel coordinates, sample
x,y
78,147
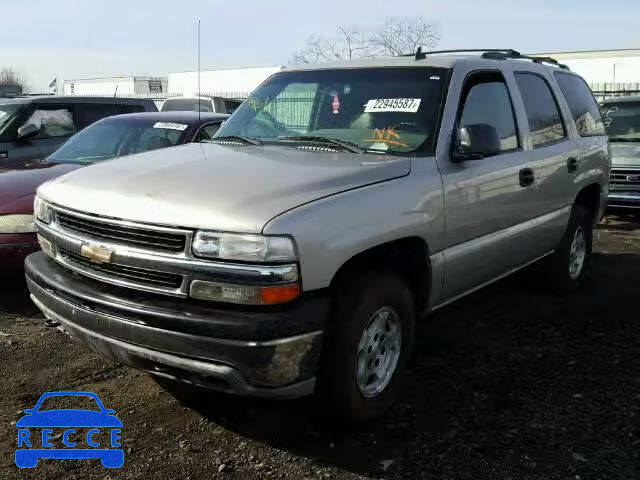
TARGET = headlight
x,y
41,210
17,224
244,247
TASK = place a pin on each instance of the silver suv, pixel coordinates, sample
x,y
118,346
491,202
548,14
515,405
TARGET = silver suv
x,y
336,207
622,122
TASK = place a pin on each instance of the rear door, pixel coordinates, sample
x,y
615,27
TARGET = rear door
x,y
87,114
552,150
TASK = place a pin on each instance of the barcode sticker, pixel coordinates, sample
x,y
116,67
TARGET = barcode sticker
x,y
171,126
410,105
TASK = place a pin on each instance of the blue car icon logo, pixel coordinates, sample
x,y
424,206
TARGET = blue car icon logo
x,y
36,438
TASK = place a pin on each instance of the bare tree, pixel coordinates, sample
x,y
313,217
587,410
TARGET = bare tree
x,y
404,35
349,43
10,77
396,36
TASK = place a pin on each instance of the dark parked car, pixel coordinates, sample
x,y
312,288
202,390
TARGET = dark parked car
x,y
33,127
109,138
202,104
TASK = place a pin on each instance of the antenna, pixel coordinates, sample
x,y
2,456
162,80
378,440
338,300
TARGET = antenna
x,y
199,98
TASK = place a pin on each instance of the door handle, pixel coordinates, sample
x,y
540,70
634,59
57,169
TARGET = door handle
x,y
526,177
572,164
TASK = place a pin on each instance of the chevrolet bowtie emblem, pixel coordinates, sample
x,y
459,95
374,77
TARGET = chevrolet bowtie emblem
x,y
96,253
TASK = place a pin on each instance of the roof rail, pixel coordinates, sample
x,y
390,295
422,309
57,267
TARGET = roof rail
x,y
421,55
490,53
496,55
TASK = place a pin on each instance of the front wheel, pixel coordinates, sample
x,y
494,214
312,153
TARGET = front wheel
x,y
367,345
568,267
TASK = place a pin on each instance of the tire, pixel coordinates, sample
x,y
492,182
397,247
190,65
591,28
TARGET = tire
x,y
376,301
564,272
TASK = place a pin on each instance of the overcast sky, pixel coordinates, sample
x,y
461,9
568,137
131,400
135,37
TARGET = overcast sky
x,y
95,38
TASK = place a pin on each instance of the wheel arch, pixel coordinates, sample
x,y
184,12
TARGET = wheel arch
x,y
408,257
590,197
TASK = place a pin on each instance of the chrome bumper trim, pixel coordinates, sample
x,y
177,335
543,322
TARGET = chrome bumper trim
x,y
180,264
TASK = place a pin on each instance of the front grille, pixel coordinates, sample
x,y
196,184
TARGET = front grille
x,y
625,179
133,275
123,234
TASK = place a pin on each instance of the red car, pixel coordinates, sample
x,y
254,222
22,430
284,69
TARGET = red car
x,y
109,138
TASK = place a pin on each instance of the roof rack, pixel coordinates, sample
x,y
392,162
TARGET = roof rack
x,y
492,54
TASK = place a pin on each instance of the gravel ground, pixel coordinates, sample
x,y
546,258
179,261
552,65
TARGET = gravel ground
x,y
511,382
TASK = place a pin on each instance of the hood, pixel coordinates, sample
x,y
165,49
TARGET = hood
x,y
18,184
625,154
217,186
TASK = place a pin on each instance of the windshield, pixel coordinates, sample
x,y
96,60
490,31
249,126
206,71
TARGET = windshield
x,y
391,110
7,112
116,137
622,121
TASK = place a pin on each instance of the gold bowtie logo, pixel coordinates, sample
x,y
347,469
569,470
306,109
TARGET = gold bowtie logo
x,y
96,253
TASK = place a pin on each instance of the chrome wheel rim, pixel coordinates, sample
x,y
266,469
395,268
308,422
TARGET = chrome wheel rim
x,y
378,352
577,253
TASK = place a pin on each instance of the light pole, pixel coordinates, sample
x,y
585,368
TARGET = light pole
x,y
199,100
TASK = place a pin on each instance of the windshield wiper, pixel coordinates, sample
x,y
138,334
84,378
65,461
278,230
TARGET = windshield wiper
x,y
349,146
236,138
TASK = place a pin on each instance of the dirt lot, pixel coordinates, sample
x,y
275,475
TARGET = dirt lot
x,y
511,382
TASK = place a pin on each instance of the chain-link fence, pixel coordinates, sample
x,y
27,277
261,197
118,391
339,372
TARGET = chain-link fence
x,y
603,91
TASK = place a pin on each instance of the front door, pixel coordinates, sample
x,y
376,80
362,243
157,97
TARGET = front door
x,y
487,201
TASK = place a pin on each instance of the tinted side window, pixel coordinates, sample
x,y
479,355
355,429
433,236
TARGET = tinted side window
x,y
582,104
89,114
207,132
545,121
486,101
231,105
54,121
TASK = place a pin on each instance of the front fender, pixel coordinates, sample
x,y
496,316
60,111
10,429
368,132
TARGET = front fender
x,y
331,231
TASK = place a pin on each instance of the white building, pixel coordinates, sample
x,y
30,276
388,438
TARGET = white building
x,y
121,86
602,66
237,82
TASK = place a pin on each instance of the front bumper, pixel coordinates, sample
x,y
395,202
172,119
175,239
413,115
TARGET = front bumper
x,y
14,248
270,352
624,199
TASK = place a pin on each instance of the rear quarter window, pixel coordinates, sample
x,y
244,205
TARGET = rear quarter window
x,y
583,106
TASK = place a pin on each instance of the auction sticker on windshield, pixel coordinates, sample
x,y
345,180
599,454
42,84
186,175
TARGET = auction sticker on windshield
x,y
171,126
409,105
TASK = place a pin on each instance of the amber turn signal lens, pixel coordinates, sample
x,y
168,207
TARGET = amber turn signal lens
x,y
281,294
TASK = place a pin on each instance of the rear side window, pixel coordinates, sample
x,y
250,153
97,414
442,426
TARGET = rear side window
x,y
187,105
486,101
231,105
89,114
53,121
208,131
543,114
582,105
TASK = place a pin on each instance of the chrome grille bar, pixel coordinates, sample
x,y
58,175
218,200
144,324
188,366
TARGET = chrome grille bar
x,y
126,233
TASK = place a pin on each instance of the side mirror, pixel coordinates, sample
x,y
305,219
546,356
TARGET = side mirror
x,y
27,131
474,142
29,411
